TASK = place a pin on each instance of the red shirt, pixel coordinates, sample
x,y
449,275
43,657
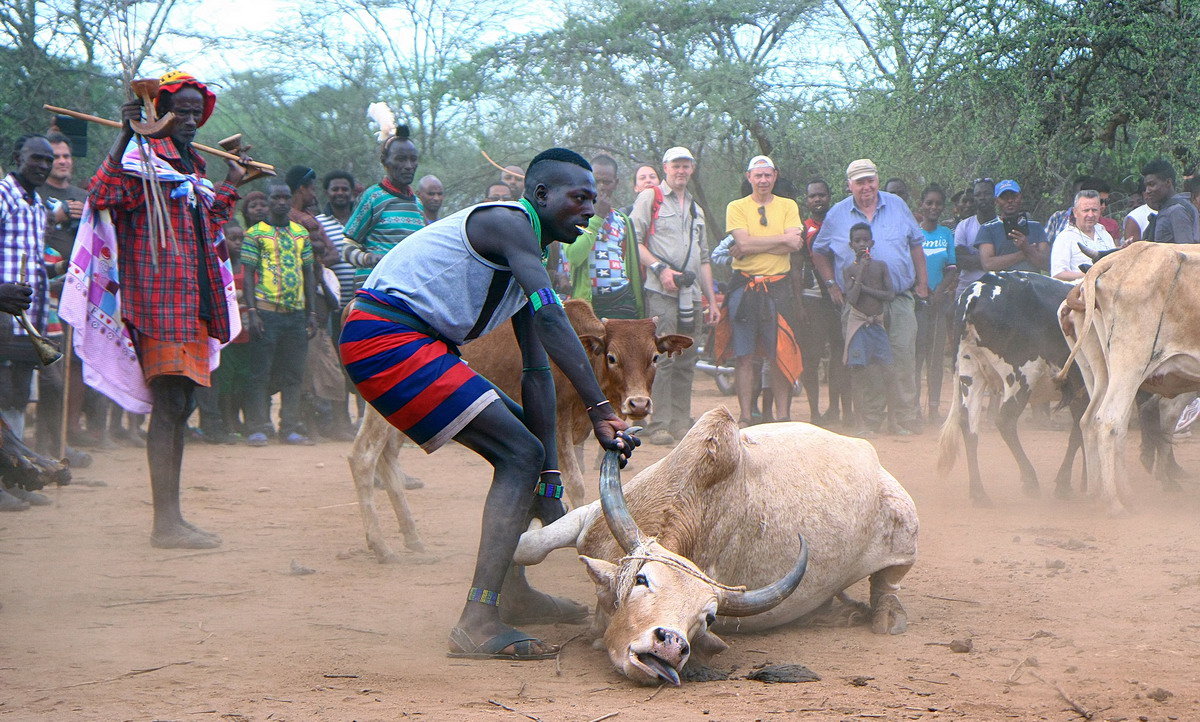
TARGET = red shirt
x,y
811,227
164,301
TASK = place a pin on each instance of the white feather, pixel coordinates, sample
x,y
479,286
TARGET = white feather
x,y
384,118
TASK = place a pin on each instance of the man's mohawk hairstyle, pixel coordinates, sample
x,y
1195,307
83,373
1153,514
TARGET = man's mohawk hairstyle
x,y
563,155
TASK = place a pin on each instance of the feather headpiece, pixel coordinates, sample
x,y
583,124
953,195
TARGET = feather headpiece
x,y
384,118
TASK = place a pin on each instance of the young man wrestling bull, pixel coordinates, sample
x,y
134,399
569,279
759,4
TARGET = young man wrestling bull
x,y
444,286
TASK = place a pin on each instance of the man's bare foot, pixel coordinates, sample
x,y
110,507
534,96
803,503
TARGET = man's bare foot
x,y
182,536
498,641
198,530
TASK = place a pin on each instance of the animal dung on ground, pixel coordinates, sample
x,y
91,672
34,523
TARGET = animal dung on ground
x,y
961,645
700,673
1159,694
781,673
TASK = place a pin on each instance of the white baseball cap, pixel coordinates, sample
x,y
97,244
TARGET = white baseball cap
x,y
760,161
677,153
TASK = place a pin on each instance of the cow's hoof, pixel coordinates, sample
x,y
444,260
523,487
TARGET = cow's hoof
x,y
1171,486
1118,511
1031,489
888,616
981,500
1062,491
414,545
422,559
388,557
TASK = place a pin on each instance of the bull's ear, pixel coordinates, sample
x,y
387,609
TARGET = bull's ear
x,y
673,344
594,345
708,644
604,575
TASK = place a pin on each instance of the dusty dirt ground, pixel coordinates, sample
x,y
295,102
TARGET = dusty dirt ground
x,y
98,625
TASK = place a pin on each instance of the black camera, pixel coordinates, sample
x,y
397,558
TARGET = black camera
x,y
685,279
1021,224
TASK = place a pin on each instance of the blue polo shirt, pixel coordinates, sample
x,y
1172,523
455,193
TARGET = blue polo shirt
x,y
993,233
895,232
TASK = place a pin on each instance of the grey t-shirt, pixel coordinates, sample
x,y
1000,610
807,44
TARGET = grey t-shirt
x,y
61,236
1176,222
994,232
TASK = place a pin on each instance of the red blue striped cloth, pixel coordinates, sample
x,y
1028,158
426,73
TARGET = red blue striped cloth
x,y
414,381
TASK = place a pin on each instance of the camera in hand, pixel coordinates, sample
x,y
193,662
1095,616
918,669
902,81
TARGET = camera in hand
x,y
687,303
1020,224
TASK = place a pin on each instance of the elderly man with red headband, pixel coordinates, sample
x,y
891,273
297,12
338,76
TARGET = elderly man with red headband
x,y
168,219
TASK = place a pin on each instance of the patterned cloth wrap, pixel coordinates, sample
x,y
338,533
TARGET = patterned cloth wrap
x,y
91,297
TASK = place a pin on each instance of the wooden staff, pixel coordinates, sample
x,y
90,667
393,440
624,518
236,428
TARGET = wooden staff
x,y
263,168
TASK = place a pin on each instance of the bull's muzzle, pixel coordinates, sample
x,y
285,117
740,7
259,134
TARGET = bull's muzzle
x,y
667,653
638,407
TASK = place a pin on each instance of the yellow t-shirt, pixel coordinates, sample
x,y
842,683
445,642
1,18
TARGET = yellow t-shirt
x,y
782,214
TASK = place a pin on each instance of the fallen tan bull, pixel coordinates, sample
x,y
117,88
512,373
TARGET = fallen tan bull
x,y
727,507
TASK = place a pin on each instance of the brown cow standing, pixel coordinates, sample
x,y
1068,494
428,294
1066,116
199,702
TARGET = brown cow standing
x,y
623,355
1132,325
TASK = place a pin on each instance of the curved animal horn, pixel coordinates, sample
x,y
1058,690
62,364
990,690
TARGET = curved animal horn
x,y
612,500
1094,255
757,601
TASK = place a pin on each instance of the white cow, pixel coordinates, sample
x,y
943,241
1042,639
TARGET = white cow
x,y
731,505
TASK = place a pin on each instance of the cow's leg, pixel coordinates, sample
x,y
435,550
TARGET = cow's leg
x,y
569,465
887,614
1149,422
365,454
394,483
1169,472
1111,424
1006,423
970,395
1062,481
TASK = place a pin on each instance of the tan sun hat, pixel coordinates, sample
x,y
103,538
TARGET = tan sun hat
x,y
862,168
677,153
760,161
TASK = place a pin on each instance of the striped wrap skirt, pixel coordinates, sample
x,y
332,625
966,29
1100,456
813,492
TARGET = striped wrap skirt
x,y
415,381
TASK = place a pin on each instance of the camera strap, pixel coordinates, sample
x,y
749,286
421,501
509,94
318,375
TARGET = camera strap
x,y
691,241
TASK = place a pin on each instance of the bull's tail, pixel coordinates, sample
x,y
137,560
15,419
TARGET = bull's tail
x,y
1087,288
948,440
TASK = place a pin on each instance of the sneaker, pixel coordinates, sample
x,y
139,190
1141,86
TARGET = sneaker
x,y
8,502
661,437
77,459
257,439
297,439
33,498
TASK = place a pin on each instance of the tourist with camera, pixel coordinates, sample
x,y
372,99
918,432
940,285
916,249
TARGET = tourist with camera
x,y
1012,242
672,247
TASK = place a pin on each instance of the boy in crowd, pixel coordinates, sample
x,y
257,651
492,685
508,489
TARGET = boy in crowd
x,y
868,350
277,260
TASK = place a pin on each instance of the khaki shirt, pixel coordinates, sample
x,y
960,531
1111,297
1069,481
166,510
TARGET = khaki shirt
x,y
674,232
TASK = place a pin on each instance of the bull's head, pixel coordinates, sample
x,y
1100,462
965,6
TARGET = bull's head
x,y
624,359
659,604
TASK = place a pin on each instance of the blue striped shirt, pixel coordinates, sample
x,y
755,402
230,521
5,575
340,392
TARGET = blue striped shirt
x,y
895,232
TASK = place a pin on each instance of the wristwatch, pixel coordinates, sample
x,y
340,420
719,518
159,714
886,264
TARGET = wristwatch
x,y
658,267
830,283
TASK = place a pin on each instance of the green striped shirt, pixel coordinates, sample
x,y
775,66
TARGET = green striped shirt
x,y
380,221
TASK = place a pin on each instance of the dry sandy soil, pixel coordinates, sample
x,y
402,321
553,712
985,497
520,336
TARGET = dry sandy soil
x,y
98,625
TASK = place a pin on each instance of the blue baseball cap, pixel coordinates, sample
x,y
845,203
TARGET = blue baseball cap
x,y
1007,185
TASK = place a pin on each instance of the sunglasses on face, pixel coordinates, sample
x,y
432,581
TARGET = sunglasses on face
x,y
762,215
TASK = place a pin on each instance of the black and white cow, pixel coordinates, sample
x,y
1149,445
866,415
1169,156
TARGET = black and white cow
x,y
1009,343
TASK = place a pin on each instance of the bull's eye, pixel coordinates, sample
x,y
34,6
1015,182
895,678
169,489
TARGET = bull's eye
x,y
710,619
655,359
612,359
641,581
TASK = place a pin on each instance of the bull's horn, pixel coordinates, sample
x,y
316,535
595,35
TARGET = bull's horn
x,y
612,500
1094,255
757,601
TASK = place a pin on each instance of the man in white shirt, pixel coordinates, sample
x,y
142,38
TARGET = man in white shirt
x,y
1084,228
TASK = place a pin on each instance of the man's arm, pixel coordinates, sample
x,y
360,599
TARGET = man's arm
x,y
503,235
1182,224
1132,231
745,244
713,315
921,267
991,262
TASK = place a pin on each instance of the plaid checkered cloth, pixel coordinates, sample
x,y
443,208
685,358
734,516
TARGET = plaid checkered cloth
x,y
23,231
162,301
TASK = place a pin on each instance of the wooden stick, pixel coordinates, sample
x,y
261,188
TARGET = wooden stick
x,y
610,715
488,158
266,168
510,709
173,598
68,351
